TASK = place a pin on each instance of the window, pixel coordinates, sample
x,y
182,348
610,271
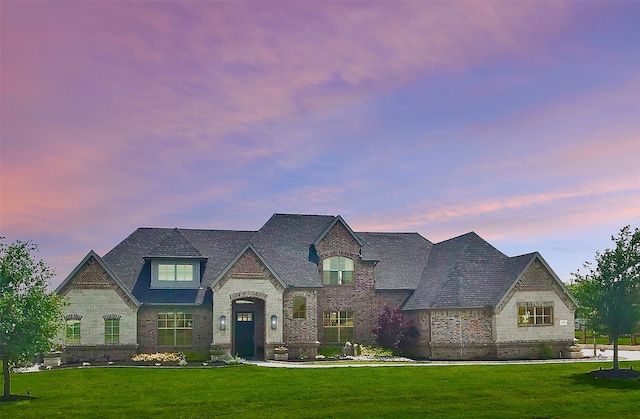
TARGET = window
x,y
73,332
245,316
299,308
175,272
535,315
338,326
175,329
337,270
112,331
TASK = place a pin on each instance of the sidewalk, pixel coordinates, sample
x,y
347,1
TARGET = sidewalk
x,y
606,356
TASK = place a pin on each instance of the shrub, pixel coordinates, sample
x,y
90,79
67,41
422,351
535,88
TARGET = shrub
x,y
376,351
329,351
546,351
393,331
157,357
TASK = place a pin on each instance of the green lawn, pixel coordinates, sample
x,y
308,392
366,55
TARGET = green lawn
x,y
484,391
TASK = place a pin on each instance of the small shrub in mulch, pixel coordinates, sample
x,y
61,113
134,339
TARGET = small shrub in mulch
x,y
619,374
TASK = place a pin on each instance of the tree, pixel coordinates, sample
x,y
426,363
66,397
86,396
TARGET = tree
x,y
392,330
30,317
609,293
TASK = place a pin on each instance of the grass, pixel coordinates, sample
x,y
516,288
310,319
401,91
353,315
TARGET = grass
x,y
484,391
602,340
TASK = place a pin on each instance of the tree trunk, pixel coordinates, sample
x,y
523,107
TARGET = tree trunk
x,y
616,366
7,377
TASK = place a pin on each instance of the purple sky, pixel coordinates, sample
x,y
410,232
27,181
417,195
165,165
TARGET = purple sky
x,y
519,121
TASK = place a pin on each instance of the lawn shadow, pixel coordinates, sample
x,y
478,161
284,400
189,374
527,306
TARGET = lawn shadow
x,y
591,379
15,398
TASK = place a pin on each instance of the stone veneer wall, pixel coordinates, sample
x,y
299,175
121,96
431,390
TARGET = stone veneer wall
x,y
148,328
461,334
361,297
248,278
536,286
93,294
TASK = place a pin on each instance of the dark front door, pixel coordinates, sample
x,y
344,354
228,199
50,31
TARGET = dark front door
x,y
245,334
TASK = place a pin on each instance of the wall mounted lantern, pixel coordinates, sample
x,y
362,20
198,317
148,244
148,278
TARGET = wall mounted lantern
x,y
274,322
223,322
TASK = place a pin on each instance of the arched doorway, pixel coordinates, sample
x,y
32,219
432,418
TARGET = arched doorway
x,y
248,327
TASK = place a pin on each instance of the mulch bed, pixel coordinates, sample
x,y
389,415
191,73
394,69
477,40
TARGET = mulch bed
x,y
619,374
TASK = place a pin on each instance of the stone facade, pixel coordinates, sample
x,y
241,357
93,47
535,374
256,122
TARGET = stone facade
x,y
535,287
249,278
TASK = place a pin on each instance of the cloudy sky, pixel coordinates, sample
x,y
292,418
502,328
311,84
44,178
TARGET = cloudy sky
x,y
519,120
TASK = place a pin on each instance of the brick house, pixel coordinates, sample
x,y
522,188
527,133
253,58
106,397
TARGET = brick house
x,y
307,280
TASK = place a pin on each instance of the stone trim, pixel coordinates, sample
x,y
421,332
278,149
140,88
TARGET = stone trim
x,y
112,316
248,294
73,316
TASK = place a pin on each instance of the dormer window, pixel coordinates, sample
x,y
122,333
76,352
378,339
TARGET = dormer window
x,y
337,270
175,274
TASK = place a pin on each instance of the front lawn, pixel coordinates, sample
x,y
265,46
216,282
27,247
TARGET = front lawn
x,y
561,390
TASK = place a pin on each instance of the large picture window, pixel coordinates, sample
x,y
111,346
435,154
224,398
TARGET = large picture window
x,y
338,326
535,315
337,270
73,332
175,329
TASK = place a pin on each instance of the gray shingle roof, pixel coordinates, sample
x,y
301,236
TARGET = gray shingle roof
x,y
462,272
401,258
465,272
285,242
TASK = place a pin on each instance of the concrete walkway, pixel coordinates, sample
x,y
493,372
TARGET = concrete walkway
x,y
606,356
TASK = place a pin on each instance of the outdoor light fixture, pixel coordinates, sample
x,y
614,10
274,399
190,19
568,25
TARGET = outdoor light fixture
x,y
274,322
223,322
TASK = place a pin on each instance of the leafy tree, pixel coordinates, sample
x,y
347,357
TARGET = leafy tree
x,y
609,293
392,330
29,315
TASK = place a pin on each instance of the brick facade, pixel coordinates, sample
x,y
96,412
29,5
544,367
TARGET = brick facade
x,y
248,284
361,297
461,334
148,328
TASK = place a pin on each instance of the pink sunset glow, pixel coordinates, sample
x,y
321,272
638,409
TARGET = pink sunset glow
x,y
517,120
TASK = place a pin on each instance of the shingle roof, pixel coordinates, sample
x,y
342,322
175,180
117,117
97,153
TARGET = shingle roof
x,y
465,272
127,260
401,258
175,244
285,242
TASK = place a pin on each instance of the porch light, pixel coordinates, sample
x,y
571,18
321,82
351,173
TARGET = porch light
x,y
223,322
274,322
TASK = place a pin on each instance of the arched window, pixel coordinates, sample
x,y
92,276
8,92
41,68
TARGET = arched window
x,y
299,308
337,270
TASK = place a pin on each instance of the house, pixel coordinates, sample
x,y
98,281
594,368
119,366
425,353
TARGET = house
x,y
309,280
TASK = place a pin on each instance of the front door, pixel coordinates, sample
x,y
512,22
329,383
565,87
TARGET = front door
x,y
245,328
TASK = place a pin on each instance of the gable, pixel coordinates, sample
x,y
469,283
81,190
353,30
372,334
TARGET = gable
x,y
93,274
338,239
248,266
538,276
